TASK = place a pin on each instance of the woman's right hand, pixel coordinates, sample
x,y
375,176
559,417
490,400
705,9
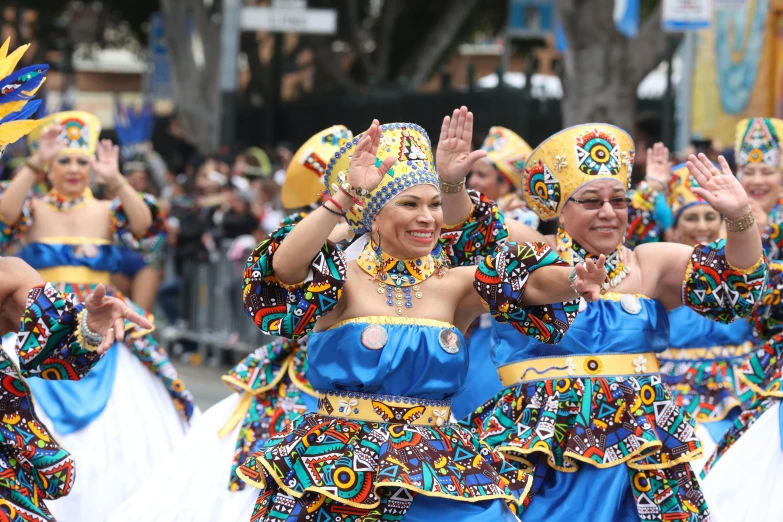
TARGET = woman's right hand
x,y
48,146
658,169
362,172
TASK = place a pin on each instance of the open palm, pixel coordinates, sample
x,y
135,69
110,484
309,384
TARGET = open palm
x,y
453,158
107,163
720,188
362,171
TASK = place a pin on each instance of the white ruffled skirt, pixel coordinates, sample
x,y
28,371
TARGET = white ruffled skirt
x,y
746,484
120,449
192,484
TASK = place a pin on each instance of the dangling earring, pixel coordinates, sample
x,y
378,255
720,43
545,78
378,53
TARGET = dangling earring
x,y
376,247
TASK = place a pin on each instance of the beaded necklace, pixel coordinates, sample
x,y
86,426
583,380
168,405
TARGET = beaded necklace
x,y
399,279
62,204
571,251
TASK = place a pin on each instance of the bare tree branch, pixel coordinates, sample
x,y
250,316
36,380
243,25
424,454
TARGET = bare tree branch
x,y
418,67
651,46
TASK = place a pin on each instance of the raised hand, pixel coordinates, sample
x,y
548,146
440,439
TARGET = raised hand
x,y
590,277
453,158
362,172
658,168
106,316
720,188
49,145
107,163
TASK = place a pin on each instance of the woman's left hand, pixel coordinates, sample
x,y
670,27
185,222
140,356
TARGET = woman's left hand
x,y
720,188
106,164
590,276
106,316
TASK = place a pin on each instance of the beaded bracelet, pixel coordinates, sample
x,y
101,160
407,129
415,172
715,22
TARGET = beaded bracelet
x,y
333,211
336,204
89,339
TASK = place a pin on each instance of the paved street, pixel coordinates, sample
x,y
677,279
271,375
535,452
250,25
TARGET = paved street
x,y
204,383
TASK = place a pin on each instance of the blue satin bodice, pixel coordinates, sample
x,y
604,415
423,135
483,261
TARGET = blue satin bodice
x,y
691,330
412,363
605,326
99,257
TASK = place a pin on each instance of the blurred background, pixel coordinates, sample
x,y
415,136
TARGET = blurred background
x,y
210,99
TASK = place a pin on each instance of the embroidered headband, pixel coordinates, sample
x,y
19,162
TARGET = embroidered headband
x,y
80,131
407,142
572,158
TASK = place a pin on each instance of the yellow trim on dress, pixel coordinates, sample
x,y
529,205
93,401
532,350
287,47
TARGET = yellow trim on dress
x,y
759,391
237,416
73,240
75,275
358,408
575,366
730,351
261,484
616,296
750,269
392,320
230,381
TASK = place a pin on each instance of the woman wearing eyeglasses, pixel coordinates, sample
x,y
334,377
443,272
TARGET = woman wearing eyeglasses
x,y
591,414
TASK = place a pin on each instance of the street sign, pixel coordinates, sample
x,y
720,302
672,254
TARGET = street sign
x,y
686,15
287,20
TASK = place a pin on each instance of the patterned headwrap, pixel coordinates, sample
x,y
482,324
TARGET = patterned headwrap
x,y
507,152
304,182
408,143
681,196
80,131
758,141
572,158
16,92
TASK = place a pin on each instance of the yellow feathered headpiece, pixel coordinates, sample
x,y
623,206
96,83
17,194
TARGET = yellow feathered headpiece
x,y
16,92
758,141
80,131
408,143
571,159
304,182
508,153
681,195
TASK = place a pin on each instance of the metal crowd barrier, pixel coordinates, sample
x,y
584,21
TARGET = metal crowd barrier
x,y
210,302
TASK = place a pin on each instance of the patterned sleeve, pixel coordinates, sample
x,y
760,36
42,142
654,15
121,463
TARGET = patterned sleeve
x,y
47,343
772,237
467,243
767,318
642,224
501,279
719,291
291,311
11,233
155,238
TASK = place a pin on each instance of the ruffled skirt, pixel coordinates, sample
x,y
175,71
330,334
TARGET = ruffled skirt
x,y
564,426
136,431
360,470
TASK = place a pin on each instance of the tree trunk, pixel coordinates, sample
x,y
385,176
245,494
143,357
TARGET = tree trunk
x,y
196,86
419,67
602,67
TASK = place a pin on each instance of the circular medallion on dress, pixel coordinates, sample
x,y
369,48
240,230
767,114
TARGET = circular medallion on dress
x,y
374,337
631,304
449,341
86,250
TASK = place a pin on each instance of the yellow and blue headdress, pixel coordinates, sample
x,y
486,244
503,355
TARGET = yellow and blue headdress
x,y
16,92
572,158
411,146
508,153
681,196
758,141
304,182
80,131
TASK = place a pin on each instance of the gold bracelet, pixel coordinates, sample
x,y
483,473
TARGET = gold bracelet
x,y
742,223
35,168
451,188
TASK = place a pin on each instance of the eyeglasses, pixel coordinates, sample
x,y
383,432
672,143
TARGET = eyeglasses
x,y
596,204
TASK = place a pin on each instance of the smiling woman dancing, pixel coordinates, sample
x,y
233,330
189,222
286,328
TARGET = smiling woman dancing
x,y
386,352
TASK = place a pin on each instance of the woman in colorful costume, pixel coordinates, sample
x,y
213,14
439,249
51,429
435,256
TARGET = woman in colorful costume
x,y
592,414
754,440
700,365
381,446
134,397
270,391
